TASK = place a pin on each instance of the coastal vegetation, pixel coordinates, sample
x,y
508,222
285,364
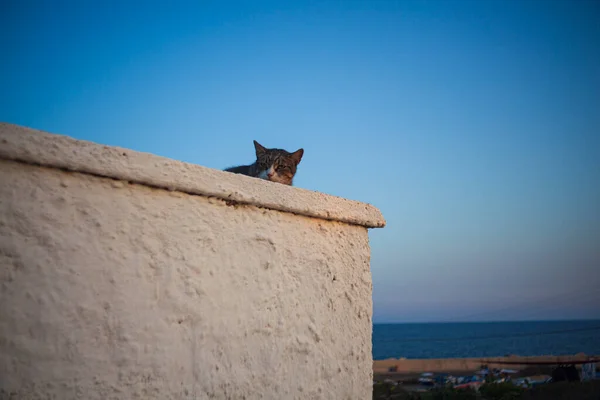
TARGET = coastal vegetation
x,y
494,391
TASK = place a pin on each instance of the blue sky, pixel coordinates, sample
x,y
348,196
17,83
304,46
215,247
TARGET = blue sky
x,y
473,125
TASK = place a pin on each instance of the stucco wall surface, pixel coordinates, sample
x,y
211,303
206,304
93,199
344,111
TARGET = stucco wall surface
x,y
118,290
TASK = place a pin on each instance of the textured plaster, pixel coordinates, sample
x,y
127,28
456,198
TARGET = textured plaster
x,y
118,290
38,147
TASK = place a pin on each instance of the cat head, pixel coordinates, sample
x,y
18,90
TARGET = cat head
x,y
277,165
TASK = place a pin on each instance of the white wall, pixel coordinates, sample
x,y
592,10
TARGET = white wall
x,y
117,289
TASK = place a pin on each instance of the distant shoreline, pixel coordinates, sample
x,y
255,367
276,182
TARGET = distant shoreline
x,y
412,366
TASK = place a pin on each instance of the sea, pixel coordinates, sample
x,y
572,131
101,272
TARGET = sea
x,y
485,339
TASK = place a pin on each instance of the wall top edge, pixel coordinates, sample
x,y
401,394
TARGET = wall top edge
x,y
32,146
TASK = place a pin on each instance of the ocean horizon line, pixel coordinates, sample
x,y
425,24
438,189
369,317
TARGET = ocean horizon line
x,y
487,321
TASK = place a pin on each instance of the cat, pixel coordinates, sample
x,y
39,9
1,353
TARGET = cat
x,y
275,165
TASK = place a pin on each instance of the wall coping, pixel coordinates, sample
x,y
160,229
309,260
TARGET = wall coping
x,y
32,146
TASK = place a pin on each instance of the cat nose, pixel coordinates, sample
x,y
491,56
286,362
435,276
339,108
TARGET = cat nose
x,y
270,174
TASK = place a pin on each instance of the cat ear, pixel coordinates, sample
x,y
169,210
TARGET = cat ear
x,y
259,148
297,156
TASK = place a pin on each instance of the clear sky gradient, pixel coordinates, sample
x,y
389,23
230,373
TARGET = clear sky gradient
x,y
473,125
